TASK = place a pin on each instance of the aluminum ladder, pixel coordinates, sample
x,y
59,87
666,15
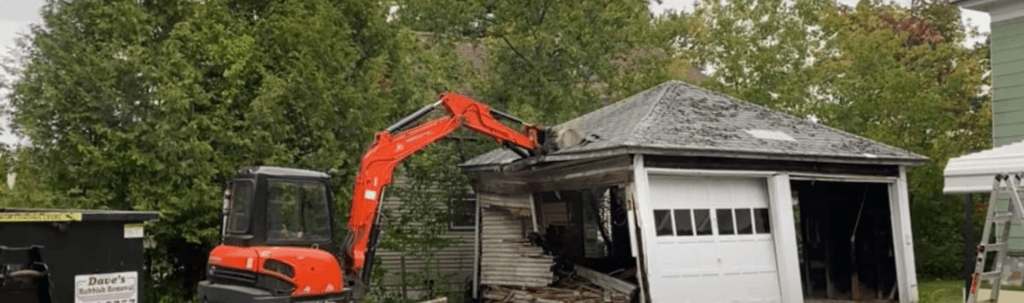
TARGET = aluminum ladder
x,y
1004,186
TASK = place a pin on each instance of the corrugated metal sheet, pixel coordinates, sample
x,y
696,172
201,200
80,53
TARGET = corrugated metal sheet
x,y
507,257
974,173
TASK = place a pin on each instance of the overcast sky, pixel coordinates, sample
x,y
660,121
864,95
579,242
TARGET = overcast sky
x,y
17,15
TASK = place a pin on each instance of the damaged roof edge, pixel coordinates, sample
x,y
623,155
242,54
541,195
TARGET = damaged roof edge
x,y
622,150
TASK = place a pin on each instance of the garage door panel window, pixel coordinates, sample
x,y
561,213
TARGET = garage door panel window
x,y
703,219
744,222
762,221
690,222
725,226
663,222
719,249
684,223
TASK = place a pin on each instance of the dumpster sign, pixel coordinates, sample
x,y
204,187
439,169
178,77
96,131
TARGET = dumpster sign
x,y
40,217
118,287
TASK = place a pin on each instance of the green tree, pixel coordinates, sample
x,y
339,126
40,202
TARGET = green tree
x,y
28,191
904,77
901,76
550,61
152,105
760,51
544,61
425,184
430,188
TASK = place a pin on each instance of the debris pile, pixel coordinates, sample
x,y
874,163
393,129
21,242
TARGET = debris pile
x,y
584,285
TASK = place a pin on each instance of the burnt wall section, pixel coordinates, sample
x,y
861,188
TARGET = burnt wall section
x,y
845,241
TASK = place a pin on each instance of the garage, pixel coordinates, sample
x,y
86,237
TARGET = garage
x,y
712,234
705,198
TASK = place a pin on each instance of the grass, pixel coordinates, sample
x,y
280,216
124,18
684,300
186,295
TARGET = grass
x,y
940,291
948,291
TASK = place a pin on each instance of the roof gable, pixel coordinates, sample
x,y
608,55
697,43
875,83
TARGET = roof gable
x,y
676,118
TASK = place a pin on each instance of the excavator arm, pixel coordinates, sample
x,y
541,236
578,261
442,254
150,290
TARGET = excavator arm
x,y
389,149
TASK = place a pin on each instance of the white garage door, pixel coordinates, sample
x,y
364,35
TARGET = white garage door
x,y
712,241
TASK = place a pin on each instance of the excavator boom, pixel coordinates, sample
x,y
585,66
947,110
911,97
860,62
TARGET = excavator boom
x,y
277,243
389,149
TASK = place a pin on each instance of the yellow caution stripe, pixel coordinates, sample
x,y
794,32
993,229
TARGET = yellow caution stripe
x,y
40,217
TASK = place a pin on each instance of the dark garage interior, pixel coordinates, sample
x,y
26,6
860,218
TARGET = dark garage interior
x,y
845,241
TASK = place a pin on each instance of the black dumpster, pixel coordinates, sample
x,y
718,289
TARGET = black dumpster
x,y
86,256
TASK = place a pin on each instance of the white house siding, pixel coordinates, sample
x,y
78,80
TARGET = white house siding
x,y
451,267
507,258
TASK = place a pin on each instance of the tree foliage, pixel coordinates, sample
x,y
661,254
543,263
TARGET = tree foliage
x,y
544,61
550,61
431,187
152,105
760,51
901,76
904,77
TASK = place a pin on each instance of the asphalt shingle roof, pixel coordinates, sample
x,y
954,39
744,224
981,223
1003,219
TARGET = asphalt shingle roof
x,y
679,119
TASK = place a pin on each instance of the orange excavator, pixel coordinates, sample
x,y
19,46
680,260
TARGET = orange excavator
x,y
277,239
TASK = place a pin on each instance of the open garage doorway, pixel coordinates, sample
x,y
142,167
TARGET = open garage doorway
x,y
845,241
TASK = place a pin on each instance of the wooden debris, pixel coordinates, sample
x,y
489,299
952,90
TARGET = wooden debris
x,y
626,274
496,293
570,289
606,281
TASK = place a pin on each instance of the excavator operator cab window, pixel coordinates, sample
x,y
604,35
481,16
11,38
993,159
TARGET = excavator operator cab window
x,y
297,211
241,195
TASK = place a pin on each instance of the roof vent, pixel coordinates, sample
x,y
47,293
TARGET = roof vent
x,y
770,135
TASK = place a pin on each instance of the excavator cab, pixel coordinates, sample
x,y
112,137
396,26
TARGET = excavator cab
x,y
295,205
277,243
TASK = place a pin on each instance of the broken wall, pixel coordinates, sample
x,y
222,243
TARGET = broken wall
x,y
536,225
507,256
